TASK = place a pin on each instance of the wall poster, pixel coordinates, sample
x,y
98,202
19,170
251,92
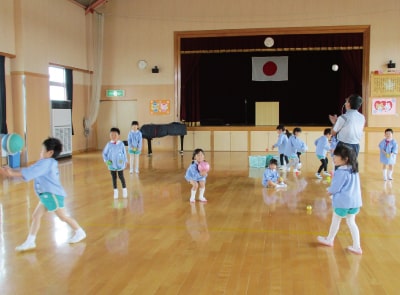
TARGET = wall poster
x,y
383,106
159,107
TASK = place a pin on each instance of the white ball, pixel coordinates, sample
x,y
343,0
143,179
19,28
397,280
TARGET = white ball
x,y
335,67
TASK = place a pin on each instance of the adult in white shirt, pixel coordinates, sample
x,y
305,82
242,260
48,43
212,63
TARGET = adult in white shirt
x,y
348,128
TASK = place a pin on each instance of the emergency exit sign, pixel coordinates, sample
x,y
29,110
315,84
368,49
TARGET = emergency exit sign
x,y
115,92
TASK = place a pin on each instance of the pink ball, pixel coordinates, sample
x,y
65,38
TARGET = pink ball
x,y
203,166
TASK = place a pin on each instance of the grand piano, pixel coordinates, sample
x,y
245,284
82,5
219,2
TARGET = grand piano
x,y
150,131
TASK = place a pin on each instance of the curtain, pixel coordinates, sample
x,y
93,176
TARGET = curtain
x,y
97,49
69,89
190,89
3,114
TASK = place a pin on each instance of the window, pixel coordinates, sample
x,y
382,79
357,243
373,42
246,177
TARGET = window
x,y
57,83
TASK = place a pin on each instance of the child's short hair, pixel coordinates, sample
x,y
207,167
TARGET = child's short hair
x,y
115,129
53,144
197,151
327,131
296,130
389,130
280,127
135,123
273,162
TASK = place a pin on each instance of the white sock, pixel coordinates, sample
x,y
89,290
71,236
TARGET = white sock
x,y
192,194
137,162
131,162
31,239
384,171
390,174
355,234
335,224
201,193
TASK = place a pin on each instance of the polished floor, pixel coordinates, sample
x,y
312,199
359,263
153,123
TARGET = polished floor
x,y
245,240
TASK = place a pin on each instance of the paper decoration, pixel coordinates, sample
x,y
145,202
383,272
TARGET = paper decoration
x,y
159,107
383,106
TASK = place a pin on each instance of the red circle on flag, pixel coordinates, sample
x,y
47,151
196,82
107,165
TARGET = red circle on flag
x,y
270,68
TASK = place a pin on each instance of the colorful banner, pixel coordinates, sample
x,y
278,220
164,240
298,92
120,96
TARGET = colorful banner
x,y
383,106
159,107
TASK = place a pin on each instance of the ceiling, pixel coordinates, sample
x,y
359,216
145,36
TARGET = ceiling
x,y
90,5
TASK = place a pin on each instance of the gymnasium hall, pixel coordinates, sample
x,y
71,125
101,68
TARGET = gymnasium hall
x,y
73,69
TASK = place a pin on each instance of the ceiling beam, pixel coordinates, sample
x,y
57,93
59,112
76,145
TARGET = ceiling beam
x,y
94,5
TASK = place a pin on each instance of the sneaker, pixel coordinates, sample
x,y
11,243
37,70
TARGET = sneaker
x,y
115,194
124,192
317,175
137,171
25,246
281,185
131,171
204,200
77,237
354,250
192,200
324,241
326,173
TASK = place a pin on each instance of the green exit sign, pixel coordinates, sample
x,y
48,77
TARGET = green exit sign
x,y
115,92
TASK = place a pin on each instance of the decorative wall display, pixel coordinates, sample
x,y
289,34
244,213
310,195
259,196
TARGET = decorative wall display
x,y
385,85
159,107
383,106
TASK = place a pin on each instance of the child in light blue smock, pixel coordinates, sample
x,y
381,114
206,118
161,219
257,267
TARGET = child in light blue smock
x,y
114,155
322,148
271,176
345,190
195,177
294,145
48,188
388,149
134,146
283,136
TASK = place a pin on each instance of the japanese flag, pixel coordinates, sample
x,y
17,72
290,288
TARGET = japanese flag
x,y
272,68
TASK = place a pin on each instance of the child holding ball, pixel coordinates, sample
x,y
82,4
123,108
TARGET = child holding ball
x,y
49,190
271,176
346,197
134,146
114,155
196,177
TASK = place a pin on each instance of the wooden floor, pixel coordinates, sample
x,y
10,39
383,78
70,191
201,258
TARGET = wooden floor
x,y
245,240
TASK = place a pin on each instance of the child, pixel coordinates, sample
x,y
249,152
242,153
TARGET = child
x,y
114,155
346,197
388,150
271,176
323,147
294,145
283,135
48,188
134,146
333,145
195,177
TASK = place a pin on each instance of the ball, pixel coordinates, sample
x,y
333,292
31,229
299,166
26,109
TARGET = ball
x,y
309,207
12,143
203,166
335,67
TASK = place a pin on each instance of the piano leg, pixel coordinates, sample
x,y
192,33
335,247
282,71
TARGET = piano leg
x,y
182,136
149,150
